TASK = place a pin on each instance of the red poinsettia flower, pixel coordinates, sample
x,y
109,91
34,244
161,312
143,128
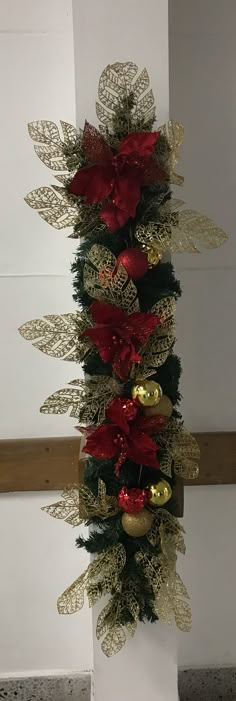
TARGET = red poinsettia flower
x,y
118,335
123,438
119,176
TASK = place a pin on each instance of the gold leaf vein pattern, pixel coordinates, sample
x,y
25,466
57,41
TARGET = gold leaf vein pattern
x,y
103,572
85,400
181,451
54,151
79,504
174,134
161,341
104,283
58,335
55,207
117,82
180,231
160,570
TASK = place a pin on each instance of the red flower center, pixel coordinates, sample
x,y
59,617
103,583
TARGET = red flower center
x,y
117,340
119,440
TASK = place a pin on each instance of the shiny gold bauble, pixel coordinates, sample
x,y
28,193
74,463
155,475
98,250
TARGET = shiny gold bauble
x,y
138,524
160,493
152,254
147,393
163,408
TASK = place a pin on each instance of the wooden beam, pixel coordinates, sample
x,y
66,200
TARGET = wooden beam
x,y
39,463
218,458
51,463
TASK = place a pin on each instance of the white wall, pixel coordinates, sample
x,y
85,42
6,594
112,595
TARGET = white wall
x,y
203,97
36,45
38,556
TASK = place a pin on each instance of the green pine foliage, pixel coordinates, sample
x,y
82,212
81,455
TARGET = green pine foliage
x,y
159,281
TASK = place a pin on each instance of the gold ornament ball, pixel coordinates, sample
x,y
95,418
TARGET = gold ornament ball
x,y
163,408
138,524
160,493
147,393
153,256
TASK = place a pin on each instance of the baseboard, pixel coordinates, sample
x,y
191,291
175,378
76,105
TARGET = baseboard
x,y
207,684
76,687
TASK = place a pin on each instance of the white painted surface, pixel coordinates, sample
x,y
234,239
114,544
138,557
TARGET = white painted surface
x,y
38,561
203,97
209,572
38,555
146,666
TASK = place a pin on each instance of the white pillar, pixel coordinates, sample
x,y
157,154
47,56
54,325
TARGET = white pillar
x,y
146,667
106,32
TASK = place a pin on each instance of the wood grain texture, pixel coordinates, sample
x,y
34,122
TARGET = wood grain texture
x,y
51,463
218,458
35,464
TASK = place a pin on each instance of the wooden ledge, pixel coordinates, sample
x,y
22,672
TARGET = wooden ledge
x,y
51,463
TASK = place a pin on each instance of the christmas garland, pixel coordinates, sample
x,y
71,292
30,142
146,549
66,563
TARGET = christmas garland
x,y
114,188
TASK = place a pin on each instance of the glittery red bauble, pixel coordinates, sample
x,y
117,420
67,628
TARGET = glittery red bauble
x,y
134,261
130,409
132,500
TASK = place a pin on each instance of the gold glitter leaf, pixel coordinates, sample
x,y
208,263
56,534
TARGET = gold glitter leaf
x,y
102,506
181,450
117,82
70,133
114,640
57,335
63,401
59,210
103,571
53,151
131,627
161,341
86,400
105,619
79,504
183,615
180,231
44,132
72,599
66,509
174,133
103,284
52,156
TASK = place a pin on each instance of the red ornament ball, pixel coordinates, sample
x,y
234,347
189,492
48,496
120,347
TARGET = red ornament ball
x,y
130,409
132,500
134,261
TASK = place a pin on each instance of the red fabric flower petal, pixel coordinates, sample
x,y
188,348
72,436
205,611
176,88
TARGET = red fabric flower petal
x,y
113,217
141,142
100,443
140,325
95,183
94,145
101,336
104,313
142,449
115,414
151,424
126,191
